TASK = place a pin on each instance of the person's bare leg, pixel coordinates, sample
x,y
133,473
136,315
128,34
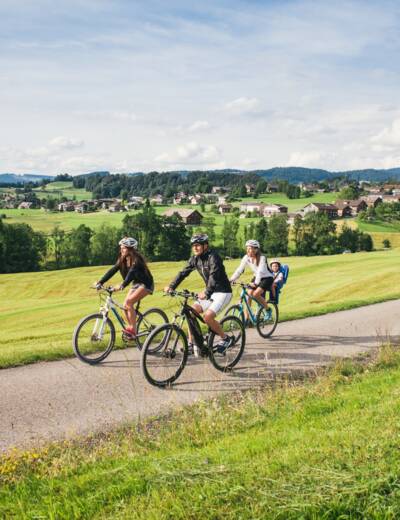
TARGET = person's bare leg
x,y
215,326
130,300
258,295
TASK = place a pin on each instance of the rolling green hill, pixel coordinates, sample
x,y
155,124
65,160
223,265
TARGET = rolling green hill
x,y
38,311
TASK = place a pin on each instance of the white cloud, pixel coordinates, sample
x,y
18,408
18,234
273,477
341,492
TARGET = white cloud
x,y
192,154
388,138
311,159
114,115
199,126
65,143
243,106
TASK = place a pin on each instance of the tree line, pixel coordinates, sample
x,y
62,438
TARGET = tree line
x,y
168,239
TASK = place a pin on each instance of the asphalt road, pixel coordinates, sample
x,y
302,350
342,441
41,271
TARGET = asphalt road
x,y
63,399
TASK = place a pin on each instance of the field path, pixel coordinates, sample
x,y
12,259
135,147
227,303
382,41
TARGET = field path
x,y
62,399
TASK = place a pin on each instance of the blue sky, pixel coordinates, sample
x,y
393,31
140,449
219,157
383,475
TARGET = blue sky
x,y
135,86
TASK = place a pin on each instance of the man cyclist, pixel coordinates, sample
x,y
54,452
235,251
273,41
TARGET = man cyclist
x,y
218,291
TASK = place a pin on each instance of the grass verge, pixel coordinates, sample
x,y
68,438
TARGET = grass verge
x,y
323,448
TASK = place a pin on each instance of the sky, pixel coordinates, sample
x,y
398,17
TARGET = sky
x,y
127,85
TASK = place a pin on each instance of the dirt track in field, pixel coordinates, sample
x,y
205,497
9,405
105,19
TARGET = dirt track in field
x,y
63,399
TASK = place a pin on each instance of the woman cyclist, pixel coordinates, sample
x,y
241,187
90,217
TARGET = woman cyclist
x,y
263,278
133,268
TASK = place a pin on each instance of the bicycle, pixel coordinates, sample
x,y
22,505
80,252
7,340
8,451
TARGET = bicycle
x,y
165,351
265,320
94,336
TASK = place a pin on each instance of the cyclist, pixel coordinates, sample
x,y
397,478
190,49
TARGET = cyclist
x,y
263,278
218,291
133,268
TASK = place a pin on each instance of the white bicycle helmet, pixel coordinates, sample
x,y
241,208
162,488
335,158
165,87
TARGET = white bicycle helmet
x,y
253,243
128,242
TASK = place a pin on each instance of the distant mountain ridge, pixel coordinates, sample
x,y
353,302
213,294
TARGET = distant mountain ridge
x,y
292,174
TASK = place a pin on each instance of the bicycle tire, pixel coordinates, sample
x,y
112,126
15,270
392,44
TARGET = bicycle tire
x,y
231,357
235,310
167,358
87,352
144,323
267,325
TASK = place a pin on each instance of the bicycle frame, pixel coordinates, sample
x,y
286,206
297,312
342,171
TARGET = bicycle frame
x,y
244,297
192,318
111,305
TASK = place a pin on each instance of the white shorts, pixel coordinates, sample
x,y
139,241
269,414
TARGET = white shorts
x,y
216,303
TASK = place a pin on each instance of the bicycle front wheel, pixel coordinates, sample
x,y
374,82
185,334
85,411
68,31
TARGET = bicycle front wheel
x,y
147,322
164,355
267,320
93,338
225,359
235,310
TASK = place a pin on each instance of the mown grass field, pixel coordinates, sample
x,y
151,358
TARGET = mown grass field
x,y
38,311
325,449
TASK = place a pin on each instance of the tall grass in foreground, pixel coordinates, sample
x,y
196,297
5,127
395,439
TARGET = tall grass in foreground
x,y
327,448
38,311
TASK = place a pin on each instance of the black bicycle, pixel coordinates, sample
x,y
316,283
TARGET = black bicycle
x,y
94,336
165,351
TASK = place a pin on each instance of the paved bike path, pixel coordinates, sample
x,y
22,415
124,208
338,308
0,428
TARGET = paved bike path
x,y
62,399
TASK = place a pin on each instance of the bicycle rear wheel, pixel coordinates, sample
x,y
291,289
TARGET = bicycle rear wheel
x,y
93,338
164,355
267,320
147,322
227,359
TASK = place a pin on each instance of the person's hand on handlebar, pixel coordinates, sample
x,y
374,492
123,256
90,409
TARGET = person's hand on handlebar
x,y
202,296
97,286
168,289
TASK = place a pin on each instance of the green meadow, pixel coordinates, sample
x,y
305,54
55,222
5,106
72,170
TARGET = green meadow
x,y
323,449
38,311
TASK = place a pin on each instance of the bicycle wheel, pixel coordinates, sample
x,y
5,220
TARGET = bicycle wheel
x,y
147,322
164,355
226,360
267,320
93,338
235,310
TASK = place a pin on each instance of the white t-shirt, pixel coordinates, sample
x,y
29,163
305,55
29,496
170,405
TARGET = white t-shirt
x,y
261,270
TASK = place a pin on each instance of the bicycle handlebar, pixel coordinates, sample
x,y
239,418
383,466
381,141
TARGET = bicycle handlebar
x,y
244,285
183,294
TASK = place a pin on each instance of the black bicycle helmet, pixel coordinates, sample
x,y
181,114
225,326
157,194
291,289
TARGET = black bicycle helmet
x,y
201,238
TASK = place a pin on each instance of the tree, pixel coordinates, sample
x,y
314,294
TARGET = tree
x,y
350,192
56,241
104,245
229,236
277,240
261,233
76,247
145,226
209,227
174,242
315,235
21,248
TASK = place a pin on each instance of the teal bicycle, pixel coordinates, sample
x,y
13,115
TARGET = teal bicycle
x,y
264,319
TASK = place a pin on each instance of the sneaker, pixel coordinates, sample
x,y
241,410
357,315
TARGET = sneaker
x,y
129,332
268,314
222,345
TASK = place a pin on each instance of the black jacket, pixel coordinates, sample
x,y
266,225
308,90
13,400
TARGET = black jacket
x,y
136,274
211,269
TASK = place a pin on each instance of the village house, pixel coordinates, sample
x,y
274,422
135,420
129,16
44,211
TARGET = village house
x,y
82,207
196,199
115,207
250,188
191,217
251,207
225,208
157,199
272,188
318,207
220,189
344,208
372,200
222,199
357,206
391,198
180,198
66,206
274,209
25,205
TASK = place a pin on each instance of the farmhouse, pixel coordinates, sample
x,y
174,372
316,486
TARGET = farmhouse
x,y
25,205
318,207
344,208
249,207
225,208
372,200
191,217
66,206
274,209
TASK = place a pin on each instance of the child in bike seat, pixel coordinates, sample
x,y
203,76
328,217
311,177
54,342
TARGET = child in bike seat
x,y
278,276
